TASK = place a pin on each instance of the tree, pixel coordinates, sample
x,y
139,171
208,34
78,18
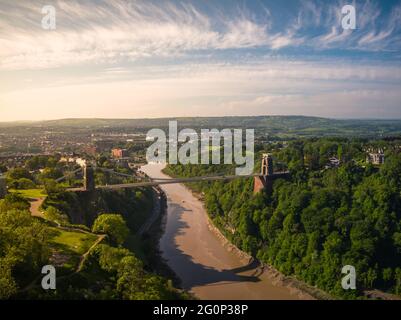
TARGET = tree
x,y
52,187
398,281
113,225
19,173
110,258
8,287
3,168
24,184
14,201
50,173
134,284
23,247
317,220
55,215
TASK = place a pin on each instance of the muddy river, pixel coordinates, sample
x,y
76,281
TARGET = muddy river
x,y
199,258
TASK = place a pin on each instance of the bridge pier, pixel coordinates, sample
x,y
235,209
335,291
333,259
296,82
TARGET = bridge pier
x,y
89,178
265,180
3,186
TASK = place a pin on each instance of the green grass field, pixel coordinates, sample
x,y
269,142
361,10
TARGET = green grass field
x,y
30,193
72,241
70,244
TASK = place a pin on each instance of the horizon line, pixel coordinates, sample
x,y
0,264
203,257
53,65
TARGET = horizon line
x,y
203,117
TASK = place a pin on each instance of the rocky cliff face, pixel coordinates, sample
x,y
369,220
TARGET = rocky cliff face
x,y
84,207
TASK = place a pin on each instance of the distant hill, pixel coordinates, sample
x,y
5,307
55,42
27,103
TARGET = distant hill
x,y
278,125
258,121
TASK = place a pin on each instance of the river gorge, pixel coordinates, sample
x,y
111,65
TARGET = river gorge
x,y
200,259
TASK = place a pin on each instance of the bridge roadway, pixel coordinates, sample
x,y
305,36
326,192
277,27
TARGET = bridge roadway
x,y
157,182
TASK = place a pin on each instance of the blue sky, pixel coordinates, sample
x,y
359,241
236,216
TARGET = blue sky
x,y
130,59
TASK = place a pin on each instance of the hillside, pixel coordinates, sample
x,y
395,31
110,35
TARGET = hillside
x,y
283,126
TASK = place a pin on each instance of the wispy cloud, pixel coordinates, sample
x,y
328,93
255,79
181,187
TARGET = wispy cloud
x,y
375,31
110,32
162,58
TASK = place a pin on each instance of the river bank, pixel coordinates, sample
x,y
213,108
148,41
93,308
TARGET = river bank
x,y
298,287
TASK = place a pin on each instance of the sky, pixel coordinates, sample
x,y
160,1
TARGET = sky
x,y
147,59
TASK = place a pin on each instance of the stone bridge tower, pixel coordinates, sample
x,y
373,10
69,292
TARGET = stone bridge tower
x,y
3,186
89,178
265,180
267,165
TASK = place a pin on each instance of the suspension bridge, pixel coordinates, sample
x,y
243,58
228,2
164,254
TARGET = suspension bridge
x,y
262,180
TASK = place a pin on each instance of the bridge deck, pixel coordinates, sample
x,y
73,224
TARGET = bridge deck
x,y
156,182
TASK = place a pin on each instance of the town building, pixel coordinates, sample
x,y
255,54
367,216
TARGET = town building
x,y
376,158
73,160
333,163
90,150
119,153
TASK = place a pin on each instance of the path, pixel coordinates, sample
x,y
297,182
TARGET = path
x,y
100,238
35,207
